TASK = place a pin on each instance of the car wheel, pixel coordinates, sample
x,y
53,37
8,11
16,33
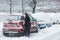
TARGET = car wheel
x,y
5,34
54,23
37,31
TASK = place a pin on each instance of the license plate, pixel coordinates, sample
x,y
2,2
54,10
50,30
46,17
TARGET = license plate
x,y
11,32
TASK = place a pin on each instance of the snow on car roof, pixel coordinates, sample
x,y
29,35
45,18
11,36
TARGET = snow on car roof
x,y
58,16
3,13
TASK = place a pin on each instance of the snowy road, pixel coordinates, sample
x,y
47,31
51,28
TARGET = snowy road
x,y
51,33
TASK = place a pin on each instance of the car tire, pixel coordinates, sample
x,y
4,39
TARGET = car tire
x,y
54,23
37,31
5,34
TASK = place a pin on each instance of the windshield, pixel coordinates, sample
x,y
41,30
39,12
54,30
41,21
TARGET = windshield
x,y
31,18
22,18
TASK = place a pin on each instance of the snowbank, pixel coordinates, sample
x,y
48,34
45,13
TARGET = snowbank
x,y
7,13
43,34
47,17
1,26
42,17
53,16
3,13
54,33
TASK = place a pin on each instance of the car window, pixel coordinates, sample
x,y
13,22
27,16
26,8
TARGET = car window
x,y
31,18
12,18
22,18
9,17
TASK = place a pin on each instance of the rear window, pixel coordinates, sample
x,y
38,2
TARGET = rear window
x,y
22,18
9,17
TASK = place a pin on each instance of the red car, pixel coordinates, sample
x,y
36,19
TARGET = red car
x,y
16,27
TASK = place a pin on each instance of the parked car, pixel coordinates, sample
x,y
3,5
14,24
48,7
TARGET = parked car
x,y
15,27
42,25
56,22
44,19
49,24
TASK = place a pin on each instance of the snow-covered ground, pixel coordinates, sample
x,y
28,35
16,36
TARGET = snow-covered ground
x,y
47,17
49,33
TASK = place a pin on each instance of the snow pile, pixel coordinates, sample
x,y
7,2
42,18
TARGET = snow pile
x,y
58,15
7,13
53,16
42,17
14,13
41,35
1,26
3,13
47,17
54,32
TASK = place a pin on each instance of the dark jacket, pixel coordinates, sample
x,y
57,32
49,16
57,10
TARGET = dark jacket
x,y
27,25
27,21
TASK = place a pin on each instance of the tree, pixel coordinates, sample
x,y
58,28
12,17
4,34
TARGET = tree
x,y
33,4
10,7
